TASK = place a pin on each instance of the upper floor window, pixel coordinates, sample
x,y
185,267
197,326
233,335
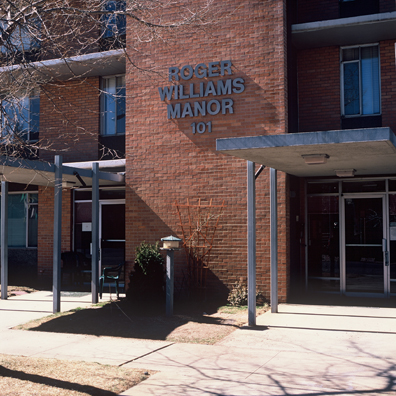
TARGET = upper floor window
x,y
360,81
113,106
21,38
351,8
114,24
21,117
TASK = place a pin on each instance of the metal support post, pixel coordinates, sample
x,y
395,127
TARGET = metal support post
x,y
251,214
95,233
4,239
169,281
274,240
56,285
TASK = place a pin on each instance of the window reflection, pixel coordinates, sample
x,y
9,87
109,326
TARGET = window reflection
x,y
323,239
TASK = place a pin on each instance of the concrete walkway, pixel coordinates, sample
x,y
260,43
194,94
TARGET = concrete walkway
x,y
302,350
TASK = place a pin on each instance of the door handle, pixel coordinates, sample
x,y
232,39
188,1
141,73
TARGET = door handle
x,y
385,251
386,259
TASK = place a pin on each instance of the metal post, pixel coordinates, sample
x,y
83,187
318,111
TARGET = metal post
x,y
251,215
4,239
169,281
95,233
56,285
274,240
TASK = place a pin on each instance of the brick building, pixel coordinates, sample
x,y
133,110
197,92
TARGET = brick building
x,y
304,87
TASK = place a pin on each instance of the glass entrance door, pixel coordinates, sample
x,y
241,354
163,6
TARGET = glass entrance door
x,y
365,244
112,233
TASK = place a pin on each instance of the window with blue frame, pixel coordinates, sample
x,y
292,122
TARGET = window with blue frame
x,y
114,21
113,106
22,220
24,38
360,81
20,117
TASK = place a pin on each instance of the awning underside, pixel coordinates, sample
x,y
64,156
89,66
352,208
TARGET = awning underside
x,y
42,174
367,151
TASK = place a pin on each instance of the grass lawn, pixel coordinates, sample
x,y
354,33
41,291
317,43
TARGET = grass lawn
x,y
27,376
203,323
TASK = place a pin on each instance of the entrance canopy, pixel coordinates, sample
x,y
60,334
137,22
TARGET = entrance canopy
x,y
342,153
366,151
40,173
58,176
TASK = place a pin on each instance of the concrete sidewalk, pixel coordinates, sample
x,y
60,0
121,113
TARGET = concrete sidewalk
x,y
318,350
303,350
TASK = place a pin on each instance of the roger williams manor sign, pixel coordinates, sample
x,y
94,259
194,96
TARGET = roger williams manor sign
x,y
203,90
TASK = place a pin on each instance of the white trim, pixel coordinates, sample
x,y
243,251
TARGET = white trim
x,y
86,65
341,22
103,164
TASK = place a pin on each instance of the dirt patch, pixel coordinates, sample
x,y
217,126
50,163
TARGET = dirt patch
x,y
204,323
51,377
193,324
18,290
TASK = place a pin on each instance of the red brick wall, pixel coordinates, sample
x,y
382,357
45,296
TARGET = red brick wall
x,y
388,83
69,120
46,227
166,162
69,126
319,89
387,5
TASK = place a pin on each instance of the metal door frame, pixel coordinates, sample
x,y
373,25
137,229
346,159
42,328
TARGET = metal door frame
x,y
385,235
101,204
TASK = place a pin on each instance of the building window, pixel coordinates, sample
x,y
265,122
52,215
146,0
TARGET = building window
x,y
21,117
114,24
360,81
113,106
351,8
22,220
22,39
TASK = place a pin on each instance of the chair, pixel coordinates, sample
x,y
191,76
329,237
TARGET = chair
x,y
74,263
70,266
111,274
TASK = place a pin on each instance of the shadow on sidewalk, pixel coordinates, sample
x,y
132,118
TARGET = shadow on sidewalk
x,y
123,319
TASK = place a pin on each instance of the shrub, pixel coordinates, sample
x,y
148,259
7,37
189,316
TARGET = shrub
x,y
147,281
239,294
149,259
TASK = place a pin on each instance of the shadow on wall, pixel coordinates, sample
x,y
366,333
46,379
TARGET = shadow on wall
x,y
148,226
212,289
232,106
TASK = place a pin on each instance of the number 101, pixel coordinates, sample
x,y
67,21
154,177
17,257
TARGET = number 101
x,y
201,127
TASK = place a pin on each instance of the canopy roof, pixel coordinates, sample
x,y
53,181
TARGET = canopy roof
x,y
367,151
345,31
81,66
39,173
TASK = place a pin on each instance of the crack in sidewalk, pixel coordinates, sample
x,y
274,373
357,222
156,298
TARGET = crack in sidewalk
x,y
146,354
